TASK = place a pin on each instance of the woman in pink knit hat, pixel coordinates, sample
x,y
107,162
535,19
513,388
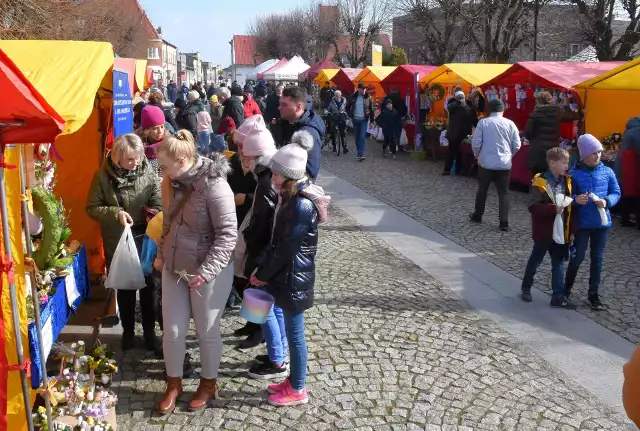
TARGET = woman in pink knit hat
x,y
152,132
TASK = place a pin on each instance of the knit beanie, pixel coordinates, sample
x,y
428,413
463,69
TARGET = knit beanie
x,y
214,99
587,145
459,95
254,122
257,140
291,160
236,90
180,103
152,116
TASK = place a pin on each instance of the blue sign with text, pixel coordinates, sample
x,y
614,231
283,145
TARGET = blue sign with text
x,y
122,109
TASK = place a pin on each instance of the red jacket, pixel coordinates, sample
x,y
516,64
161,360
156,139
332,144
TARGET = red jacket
x,y
543,211
251,108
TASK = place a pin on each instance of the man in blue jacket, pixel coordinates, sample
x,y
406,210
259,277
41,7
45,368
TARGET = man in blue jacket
x,y
295,116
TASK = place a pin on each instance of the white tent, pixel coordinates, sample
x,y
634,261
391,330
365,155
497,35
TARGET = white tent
x,y
288,71
588,55
261,68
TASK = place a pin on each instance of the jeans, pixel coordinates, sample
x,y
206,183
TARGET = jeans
x,y
501,180
557,253
598,239
275,336
294,327
217,143
360,133
203,142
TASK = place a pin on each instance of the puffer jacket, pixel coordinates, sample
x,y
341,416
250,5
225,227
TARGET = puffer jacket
x,y
257,234
110,193
543,209
462,120
251,108
234,109
289,265
601,181
187,118
202,235
543,132
630,141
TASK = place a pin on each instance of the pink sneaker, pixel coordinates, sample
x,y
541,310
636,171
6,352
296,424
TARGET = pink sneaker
x,y
289,397
279,387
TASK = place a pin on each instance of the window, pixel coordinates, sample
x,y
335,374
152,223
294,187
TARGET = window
x,y
574,49
153,53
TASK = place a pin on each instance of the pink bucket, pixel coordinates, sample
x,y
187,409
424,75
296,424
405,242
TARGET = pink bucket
x,y
256,305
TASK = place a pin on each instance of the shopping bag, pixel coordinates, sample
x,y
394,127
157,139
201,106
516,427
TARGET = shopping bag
x,y
601,211
444,142
125,271
240,251
154,228
403,138
558,224
147,255
380,135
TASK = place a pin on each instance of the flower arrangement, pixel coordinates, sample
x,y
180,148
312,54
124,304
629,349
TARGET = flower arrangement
x,y
436,92
435,123
612,142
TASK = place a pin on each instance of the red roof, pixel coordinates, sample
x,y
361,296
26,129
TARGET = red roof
x,y
402,79
314,70
244,50
344,79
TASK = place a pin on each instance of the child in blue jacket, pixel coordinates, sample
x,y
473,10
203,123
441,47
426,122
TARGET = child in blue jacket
x,y
595,187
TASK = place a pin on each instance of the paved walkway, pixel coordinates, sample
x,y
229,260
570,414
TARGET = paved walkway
x,y
393,347
443,204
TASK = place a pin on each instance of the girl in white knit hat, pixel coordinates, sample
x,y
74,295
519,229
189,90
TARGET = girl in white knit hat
x,y
288,269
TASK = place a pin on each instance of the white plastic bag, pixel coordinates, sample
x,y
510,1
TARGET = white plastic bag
x,y
558,224
125,272
601,211
240,251
444,142
380,135
403,138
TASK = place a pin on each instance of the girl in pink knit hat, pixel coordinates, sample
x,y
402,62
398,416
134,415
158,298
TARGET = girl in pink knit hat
x,y
152,132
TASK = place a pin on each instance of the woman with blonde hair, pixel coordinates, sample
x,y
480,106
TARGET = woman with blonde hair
x,y
198,237
126,191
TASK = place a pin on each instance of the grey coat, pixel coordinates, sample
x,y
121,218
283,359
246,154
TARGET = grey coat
x,y
202,235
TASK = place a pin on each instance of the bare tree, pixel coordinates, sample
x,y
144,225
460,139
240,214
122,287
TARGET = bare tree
x,y
363,21
269,31
326,30
497,27
32,19
441,27
598,27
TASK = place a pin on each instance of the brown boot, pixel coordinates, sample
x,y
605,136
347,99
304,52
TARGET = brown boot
x,y
168,402
207,390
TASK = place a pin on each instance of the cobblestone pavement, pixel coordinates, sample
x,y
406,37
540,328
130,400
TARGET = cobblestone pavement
x,y
389,349
444,203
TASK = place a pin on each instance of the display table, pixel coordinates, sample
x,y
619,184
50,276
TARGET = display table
x,y
410,130
70,291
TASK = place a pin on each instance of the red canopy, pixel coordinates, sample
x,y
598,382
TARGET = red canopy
x,y
402,79
313,71
344,80
23,103
282,62
553,74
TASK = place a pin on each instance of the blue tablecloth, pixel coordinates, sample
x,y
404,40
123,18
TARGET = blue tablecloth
x,y
55,314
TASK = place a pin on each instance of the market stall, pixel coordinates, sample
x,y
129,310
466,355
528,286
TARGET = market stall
x,y
344,80
287,72
372,76
76,79
311,73
276,65
403,78
25,116
605,114
325,75
261,68
517,86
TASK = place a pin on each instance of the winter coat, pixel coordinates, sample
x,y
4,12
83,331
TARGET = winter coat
x,y
188,118
262,104
216,116
630,141
202,235
289,265
326,95
368,106
389,120
399,104
168,115
543,209
110,193
172,92
601,181
241,183
462,120
257,235
272,111
338,110
543,132
312,123
631,387
234,109
251,108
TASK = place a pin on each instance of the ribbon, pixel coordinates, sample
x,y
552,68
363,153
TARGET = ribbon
x,y
6,165
8,267
26,366
49,391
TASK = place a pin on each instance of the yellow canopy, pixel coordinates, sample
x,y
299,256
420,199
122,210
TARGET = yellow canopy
x,y
371,76
473,74
605,112
141,75
325,75
66,73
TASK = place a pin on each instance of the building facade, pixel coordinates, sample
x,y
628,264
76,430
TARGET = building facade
x,y
243,57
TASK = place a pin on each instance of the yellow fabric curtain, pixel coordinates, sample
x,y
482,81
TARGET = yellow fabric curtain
x,y
325,75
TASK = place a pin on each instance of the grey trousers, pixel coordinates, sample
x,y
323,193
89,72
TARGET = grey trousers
x,y
501,179
179,304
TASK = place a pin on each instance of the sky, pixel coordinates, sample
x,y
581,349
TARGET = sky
x,y
207,26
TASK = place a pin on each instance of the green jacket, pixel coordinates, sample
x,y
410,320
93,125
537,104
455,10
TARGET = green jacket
x,y
110,193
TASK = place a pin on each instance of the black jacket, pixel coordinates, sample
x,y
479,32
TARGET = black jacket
x,y
262,104
326,94
462,120
271,111
289,265
398,104
257,235
168,116
368,106
389,120
233,108
241,183
188,118
312,123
